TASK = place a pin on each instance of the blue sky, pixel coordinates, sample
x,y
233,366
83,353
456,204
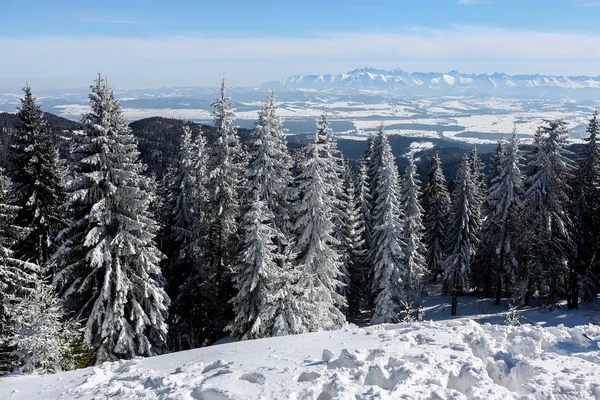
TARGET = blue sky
x,y
170,43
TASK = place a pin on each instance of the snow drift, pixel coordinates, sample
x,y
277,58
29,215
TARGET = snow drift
x,y
456,359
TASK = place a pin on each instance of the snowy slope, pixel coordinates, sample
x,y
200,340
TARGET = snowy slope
x,y
456,359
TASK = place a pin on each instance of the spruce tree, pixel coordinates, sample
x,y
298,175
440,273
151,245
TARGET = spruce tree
x,y
318,260
387,255
226,166
269,171
37,189
107,267
263,272
17,277
259,268
42,341
436,204
415,263
547,222
463,233
185,212
586,212
505,201
355,254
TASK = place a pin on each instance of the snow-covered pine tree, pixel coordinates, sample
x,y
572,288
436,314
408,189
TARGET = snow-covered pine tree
x,y
107,267
180,211
318,260
37,182
586,211
436,205
505,200
269,170
547,222
184,210
387,255
226,182
263,271
16,276
41,339
355,255
415,263
478,176
497,158
258,269
463,233
485,263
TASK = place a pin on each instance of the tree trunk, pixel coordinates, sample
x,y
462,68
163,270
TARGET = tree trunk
x,y
498,288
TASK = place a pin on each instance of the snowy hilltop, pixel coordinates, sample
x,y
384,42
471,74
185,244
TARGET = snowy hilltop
x,y
436,82
454,360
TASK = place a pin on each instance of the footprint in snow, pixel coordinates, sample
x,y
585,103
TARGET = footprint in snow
x,y
253,377
308,376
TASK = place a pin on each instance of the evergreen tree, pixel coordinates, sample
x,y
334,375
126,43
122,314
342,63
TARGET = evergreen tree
x,y
586,213
227,164
16,276
264,272
269,172
547,222
185,213
318,260
386,254
354,257
107,267
463,233
478,176
180,210
259,268
415,263
37,190
41,339
436,204
505,201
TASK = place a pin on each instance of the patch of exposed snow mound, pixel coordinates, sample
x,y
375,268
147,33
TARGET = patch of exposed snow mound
x,y
457,359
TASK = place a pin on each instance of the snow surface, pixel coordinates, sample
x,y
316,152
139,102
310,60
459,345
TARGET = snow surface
x,y
457,359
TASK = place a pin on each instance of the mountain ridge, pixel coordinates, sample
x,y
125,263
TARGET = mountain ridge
x,y
426,82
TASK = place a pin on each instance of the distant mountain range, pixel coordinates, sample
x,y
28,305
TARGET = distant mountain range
x,y
453,82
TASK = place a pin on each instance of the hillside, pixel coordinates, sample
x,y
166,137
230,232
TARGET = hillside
x,y
458,359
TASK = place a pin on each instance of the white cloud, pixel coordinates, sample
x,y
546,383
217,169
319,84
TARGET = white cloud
x,y
472,2
587,3
250,60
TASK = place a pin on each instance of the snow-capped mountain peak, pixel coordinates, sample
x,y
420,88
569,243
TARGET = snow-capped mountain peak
x,y
398,80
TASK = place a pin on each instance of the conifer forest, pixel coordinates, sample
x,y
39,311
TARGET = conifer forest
x,y
101,260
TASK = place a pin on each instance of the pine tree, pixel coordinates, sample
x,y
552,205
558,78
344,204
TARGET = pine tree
x,y
436,204
259,268
463,233
505,201
269,172
355,254
41,339
318,260
180,210
264,271
547,222
226,166
37,189
586,212
16,276
185,212
478,175
415,263
386,254
107,268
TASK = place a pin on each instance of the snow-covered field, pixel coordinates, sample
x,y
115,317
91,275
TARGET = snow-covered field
x,y
454,359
